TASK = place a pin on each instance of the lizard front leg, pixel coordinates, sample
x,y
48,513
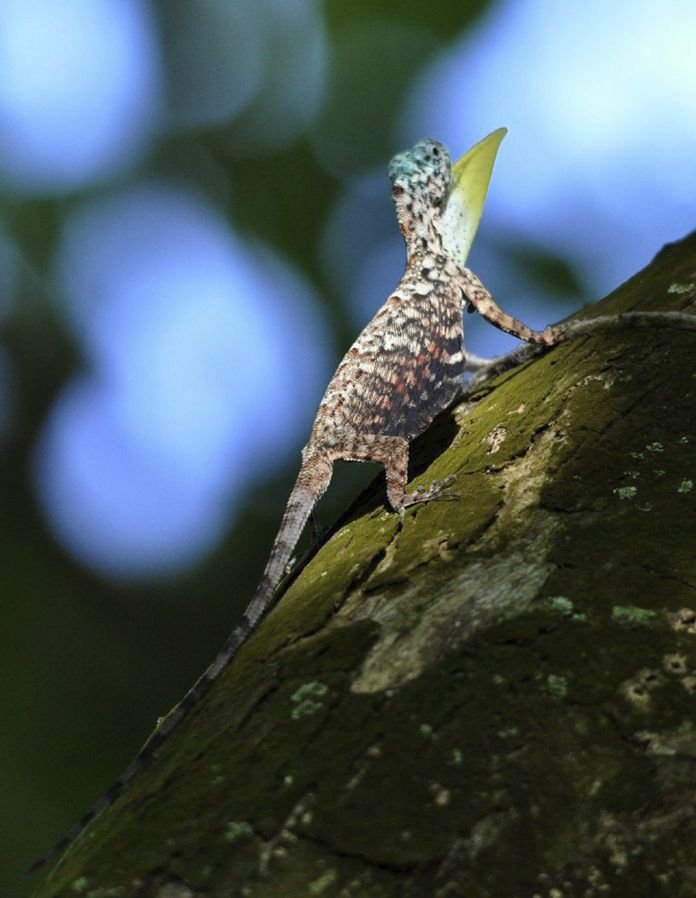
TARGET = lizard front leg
x,y
474,291
479,297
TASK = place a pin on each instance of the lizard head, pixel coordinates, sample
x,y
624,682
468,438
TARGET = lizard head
x,y
438,204
420,179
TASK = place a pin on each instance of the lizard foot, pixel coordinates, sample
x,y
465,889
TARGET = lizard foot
x,y
436,492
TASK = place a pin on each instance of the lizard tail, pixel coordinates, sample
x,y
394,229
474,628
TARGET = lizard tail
x,y
307,490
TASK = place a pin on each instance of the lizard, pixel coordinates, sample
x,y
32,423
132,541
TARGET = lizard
x,y
404,368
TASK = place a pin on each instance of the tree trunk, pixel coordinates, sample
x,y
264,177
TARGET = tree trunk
x,y
496,698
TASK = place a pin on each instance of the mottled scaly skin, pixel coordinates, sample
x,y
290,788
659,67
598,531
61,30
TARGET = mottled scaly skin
x,y
407,364
404,368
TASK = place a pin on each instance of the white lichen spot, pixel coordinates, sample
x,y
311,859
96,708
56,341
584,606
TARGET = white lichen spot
x,y
659,472
319,886
683,621
442,797
495,439
236,829
560,604
681,289
636,455
457,756
667,743
498,680
637,690
563,605
689,683
79,885
557,685
307,818
685,486
625,492
632,614
218,780
305,699
288,780
306,709
314,687
592,378
374,751
486,832
520,410
646,506
406,835
324,574
634,475
683,440
595,787
508,732
675,664
425,730
655,447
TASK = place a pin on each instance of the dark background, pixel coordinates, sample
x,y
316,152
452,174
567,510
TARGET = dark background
x,y
194,223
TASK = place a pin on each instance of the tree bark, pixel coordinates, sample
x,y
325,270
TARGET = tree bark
x,y
496,698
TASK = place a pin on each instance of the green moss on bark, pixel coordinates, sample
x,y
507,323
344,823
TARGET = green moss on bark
x,y
494,699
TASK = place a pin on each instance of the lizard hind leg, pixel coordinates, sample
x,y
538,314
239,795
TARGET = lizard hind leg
x,y
392,452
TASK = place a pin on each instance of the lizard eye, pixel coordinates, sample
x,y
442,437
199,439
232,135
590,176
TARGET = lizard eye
x,y
397,190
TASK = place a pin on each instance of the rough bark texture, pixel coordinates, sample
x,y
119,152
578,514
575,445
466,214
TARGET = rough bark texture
x,y
497,698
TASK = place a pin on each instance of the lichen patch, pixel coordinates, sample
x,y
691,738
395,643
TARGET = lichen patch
x,y
482,594
308,699
682,289
422,623
495,439
637,690
683,621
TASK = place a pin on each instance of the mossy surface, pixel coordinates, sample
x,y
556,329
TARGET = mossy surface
x,y
496,698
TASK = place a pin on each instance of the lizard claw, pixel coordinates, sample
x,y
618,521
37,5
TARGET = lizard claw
x,y
436,492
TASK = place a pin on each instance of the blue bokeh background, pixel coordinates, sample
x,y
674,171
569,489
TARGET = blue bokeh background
x,y
194,223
